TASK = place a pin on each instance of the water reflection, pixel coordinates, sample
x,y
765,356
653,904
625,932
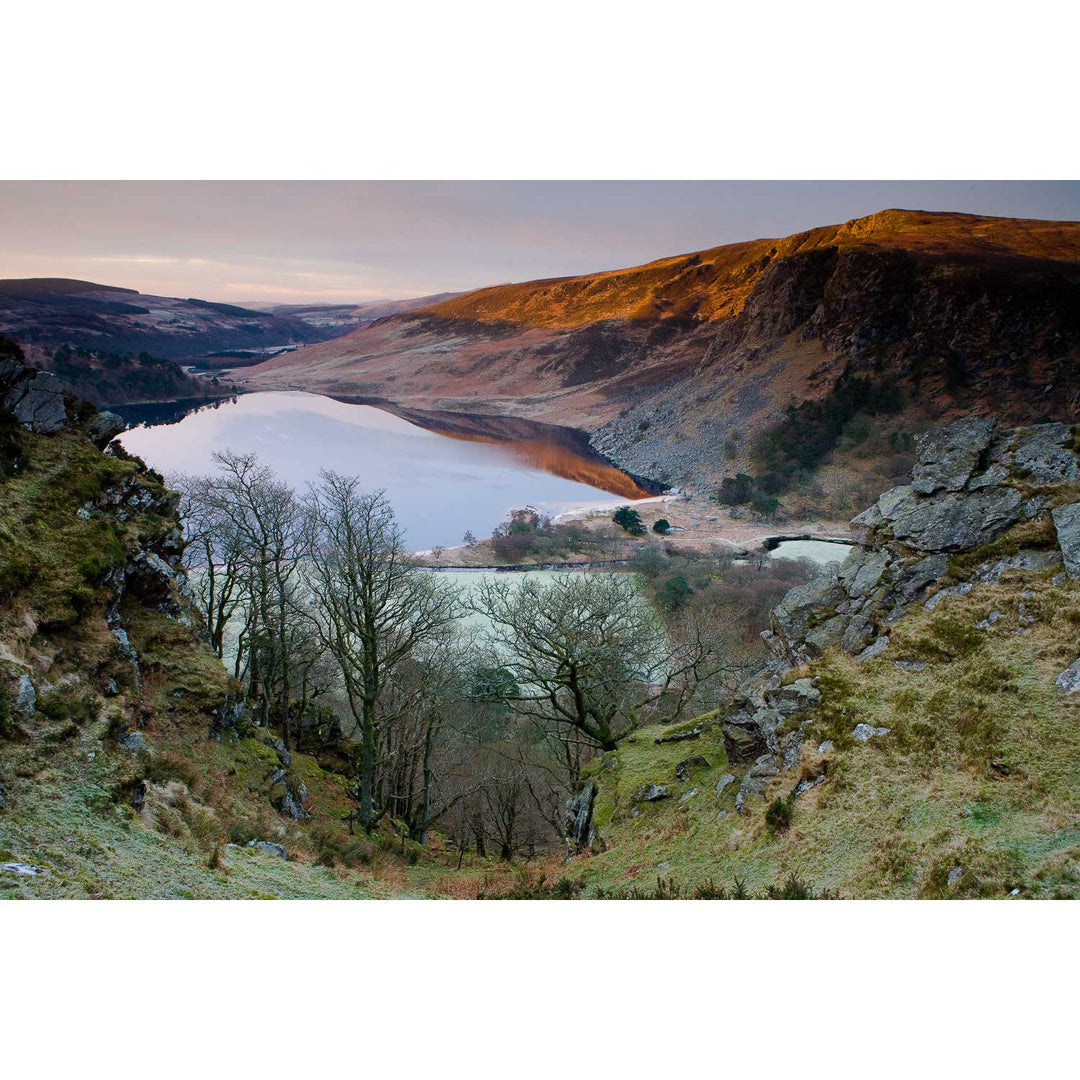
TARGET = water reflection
x,y
440,487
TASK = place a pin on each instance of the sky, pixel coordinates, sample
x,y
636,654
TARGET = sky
x,y
354,241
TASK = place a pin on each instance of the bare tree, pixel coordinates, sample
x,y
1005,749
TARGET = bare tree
x,y
588,653
373,608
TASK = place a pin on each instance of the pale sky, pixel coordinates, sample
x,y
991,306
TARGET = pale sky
x,y
302,241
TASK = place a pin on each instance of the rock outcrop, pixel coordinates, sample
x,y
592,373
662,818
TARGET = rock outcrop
x,y
972,482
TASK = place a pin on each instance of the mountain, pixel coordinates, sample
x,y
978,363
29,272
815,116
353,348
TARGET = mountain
x,y
968,313
342,318
46,313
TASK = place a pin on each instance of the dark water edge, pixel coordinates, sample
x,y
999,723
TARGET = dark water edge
x,y
162,413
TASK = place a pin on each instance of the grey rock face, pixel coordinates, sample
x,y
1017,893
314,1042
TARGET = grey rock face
x,y
37,402
724,783
104,427
805,602
1044,455
1027,559
270,848
26,695
863,732
861,571
914,579
687,765
949,455
20,869
1067,523
955,874
652,792
794,698
1068,682
953,522
134,742
875,648
996,474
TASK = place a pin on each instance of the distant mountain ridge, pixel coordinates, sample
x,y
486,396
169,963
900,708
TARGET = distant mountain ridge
x,y
345,317
47,313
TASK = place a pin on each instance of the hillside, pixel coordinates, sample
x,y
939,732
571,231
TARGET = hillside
x,y
48,313
130,766
918,732
970,314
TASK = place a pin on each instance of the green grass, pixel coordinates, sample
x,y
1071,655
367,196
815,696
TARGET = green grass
x,y
981,770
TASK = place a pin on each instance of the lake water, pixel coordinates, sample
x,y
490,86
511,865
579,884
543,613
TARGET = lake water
x,y
818,551
439,486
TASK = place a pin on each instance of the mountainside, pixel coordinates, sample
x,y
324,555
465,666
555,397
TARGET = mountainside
x,y
337,319
971,314
918,732
48,313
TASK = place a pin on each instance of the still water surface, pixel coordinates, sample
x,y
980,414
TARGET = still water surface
x,y
440,487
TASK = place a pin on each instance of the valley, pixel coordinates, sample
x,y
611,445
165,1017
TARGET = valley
x,y
830,485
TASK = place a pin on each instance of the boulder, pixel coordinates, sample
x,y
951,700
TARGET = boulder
x,y
1068,682
134,742
21,869
652,793
805,785
104,427
743,738
954,522
579,817
804,603
863,732
1067,523
26,695
270,848
948,455
795,697
684,768
38,401
724,783
875,648
1045,456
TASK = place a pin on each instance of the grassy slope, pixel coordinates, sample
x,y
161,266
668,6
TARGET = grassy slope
x,y
716,282
898,813
69,785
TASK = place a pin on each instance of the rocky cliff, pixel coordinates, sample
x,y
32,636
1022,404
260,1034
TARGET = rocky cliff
x,y
940,661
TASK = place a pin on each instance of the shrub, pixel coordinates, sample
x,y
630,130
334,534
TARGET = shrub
x,y
626,517
662,526
778,816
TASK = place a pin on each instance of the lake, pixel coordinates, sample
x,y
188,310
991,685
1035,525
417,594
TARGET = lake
x,y
439,486
817,551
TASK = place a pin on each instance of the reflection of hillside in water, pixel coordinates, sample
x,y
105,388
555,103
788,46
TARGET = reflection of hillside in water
x,y
162,413
567,462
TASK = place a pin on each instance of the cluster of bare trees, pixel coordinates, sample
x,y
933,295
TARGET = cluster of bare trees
x,y
342,642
